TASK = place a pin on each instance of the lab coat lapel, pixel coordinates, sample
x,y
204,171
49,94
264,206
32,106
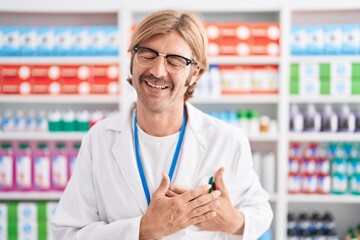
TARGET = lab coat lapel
x,y
124,154
193,149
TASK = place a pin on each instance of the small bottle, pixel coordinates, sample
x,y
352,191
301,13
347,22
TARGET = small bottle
x,y
59,166
312,119
68,121
42,167
30,121
54,121
254,122
82,121
23,167
346,119
296,119
20,121
8,121
215,81
329,120
41,122
6,167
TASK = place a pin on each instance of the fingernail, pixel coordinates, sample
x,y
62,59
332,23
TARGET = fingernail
x,y
217,193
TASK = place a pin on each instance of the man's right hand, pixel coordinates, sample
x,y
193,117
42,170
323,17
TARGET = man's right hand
x,y
167,215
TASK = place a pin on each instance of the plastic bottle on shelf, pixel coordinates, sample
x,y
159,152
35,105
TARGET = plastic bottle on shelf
x,y
215,81
329,119
357,119
82,121
54,121
59,167
30,121
6,167
8,121
42,167
296,119
20,121
68,121
312,119
23,167
41,121
346,119
254,122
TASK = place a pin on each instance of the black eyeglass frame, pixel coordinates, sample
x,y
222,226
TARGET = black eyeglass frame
x,y
188,61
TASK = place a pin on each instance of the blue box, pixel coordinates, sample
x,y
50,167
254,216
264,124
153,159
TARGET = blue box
x,y
46,41
298,40
351,39
11,43
333,39
315,40
112,41
81,41
28,41
63,41
97,40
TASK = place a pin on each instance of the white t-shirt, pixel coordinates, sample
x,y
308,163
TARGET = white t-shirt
x,y
156,155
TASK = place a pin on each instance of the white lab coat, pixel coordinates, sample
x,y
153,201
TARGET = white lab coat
x,y
104,198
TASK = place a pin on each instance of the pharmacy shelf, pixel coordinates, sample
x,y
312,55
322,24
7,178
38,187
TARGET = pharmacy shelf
x,y
63,136
325,137
324,58
238,99
318,198
35,60
324,99
256,60
68,99
43,196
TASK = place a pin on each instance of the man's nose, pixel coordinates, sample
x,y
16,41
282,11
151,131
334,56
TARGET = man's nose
x,y
159,68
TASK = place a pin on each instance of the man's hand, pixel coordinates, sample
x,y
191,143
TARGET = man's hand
x,y
167,215
228,219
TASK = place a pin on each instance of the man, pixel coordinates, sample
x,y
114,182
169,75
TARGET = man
x,y
144,173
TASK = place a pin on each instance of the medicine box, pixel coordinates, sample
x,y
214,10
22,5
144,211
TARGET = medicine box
x,y
333,39
351,39
315,40
28,41
45,41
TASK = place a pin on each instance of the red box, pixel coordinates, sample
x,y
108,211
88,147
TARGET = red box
x,y
264,47
229,46
105,79
15,79
237,30
45,79
266,30
75,79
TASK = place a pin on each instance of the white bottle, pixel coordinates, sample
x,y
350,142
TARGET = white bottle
x,y
346,119
268,172
296,119
329,120
215,81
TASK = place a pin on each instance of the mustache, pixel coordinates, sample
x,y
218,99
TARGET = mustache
x,y
151,78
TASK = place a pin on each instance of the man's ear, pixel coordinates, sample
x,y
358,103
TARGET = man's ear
x,y
194,74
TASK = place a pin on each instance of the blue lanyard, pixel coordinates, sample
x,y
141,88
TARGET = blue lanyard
x,y
174,161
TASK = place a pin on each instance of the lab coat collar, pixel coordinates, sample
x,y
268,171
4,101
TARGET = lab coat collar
x,y
191,156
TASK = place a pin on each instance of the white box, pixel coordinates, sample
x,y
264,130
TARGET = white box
x,y
63,41
81,41
309,71
298,40
27,212
315,40
333,39
340,86
11,42
27,230
310,87
351,39
340,69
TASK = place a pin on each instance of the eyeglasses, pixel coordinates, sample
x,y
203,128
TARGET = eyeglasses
x,y
146,57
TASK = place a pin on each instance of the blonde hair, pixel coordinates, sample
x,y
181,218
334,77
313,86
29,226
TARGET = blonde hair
x,y
188,25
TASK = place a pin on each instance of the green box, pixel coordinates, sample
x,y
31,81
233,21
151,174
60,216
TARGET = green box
x,y
294,89
355,87
355,70
324,70
324,88
294,70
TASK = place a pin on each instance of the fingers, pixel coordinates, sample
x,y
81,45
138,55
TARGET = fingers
x,y
164,185
219,181
178,189
195,192
205,204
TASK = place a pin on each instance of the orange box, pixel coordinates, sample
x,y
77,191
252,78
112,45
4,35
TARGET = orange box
x,y
105,79
237,30
75,79
15,79
264,46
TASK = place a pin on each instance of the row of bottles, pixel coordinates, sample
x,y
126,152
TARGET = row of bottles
x,y
327,168
249,120
314,225
36,166
310,119
52,121
26,220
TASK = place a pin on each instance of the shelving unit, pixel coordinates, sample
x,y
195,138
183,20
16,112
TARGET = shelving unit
x,y
287,13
